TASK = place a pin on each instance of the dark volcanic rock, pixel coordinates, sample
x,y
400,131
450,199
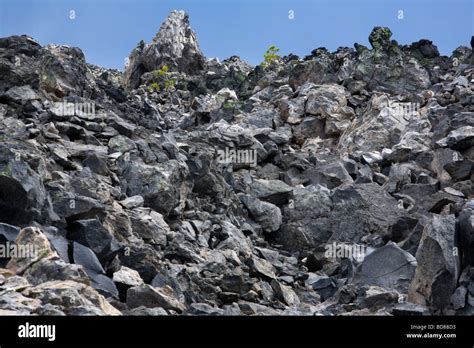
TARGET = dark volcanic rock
x,y
438,264
220,188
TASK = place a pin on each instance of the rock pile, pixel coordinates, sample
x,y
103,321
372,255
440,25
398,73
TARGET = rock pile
x,y
226,193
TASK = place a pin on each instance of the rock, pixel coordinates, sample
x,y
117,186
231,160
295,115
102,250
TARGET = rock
x,y
330,104
458,299
51,269
438,264
71,298
18,74
149,225
466,235
175,45
85,257
329,172
380,38
37,247
212,108
272,191
143,311
381,125
250,308
8,233
361,209
459,170
21,190
262,268
306,224
323,285
161,186
20,94
285,293
388,267
63,71
92,234
375,297
127,276
266,214
315,71
124,279
150,297
458,139
203,309
132,202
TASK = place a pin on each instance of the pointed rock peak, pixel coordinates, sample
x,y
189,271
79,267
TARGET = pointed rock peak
x,y
175,45
176,27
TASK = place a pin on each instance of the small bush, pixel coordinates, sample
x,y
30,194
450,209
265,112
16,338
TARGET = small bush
x,y
270,56
163,80
154,87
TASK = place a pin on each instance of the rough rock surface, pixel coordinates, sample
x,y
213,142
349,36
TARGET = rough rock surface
x,y
337,184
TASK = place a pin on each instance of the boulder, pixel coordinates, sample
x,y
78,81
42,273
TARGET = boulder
x,y
438,264
389,267
150,297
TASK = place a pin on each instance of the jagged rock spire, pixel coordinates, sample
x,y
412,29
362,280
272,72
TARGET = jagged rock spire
x,y
174,45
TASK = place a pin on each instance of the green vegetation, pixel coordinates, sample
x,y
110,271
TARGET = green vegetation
x,y
154,87
270,56
229,104
162,80
169,84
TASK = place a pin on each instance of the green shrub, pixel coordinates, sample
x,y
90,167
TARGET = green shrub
x,y
154,87
162,80
162,72
169,84
270,56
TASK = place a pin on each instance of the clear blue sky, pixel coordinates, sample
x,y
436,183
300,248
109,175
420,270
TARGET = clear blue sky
x,y
107,30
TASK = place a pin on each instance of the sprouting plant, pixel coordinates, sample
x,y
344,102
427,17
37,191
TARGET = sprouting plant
x,y
169,84
162,71
153,87
162,80
270,56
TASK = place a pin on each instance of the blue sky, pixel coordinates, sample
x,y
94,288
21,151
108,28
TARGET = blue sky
x,y
107,30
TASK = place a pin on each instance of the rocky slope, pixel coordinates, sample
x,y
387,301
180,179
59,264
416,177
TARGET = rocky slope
x,y
219,187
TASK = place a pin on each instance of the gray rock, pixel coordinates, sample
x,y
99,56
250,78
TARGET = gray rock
x,y
72,298
203,309
133,202
438,264
389,267
330,104
266,214
272,191
458,139
150,297
262,268
91,233
128,277
323,285
175,45
20,94
285,293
